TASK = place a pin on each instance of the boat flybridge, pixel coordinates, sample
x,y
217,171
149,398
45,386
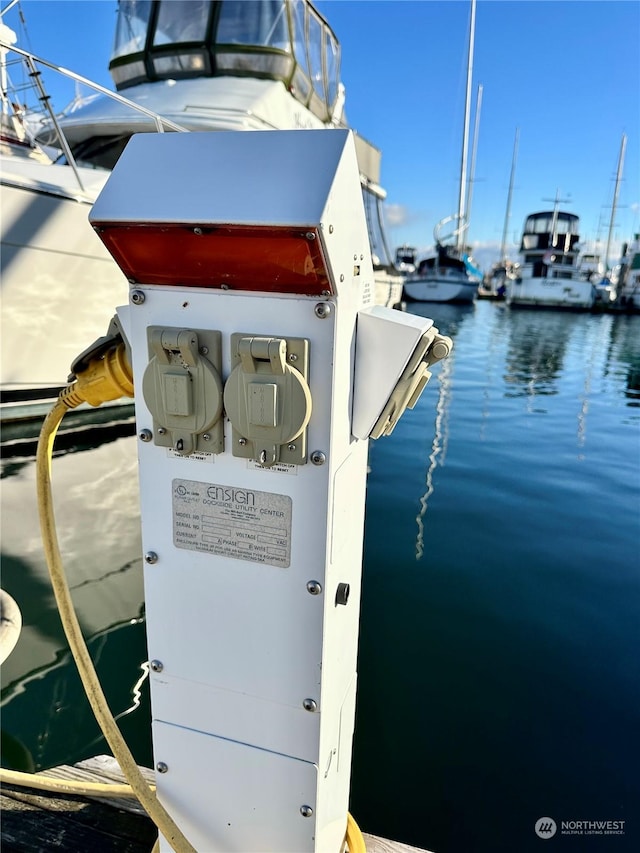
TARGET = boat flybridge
x,y
548,275
178,65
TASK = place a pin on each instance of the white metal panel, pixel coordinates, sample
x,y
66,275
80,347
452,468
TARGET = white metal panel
x,y
236,177
227,796
237,716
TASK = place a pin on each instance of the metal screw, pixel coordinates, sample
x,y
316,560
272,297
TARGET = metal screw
x,y
204,350
197,231
293,356
306,811
322,310
331,229
318,457
242,441
206,436
162,431
310,235
156,665
310,705
291,447
137,297
341,276
314,587
355,257
151,557
145,435
161,767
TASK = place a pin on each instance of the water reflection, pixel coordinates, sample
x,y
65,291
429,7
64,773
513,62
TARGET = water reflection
x,y
438,452
448,319
624,350
95,492
47,720
537,346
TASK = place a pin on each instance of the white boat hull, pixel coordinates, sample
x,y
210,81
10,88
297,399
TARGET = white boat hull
x,y
552,293
60,287
388,289
439,288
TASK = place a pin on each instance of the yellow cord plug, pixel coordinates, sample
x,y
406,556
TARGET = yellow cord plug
x,y
107,377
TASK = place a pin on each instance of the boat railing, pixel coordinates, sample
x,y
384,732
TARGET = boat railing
x,y
460,226
33,64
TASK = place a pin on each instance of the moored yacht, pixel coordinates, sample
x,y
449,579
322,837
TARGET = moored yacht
x,y
187,65
445,276
441,278
449,275
548,274
405,260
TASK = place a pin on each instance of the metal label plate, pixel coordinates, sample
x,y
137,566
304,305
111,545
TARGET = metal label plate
x,y
233,522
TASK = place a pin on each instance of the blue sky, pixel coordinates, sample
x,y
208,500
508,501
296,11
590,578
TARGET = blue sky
x,y
565,72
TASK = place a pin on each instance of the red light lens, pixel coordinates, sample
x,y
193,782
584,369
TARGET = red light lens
x,y
235,257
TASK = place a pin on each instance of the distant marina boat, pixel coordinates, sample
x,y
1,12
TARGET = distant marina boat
x,y
548,275
405,260
444,277
494,281
449,275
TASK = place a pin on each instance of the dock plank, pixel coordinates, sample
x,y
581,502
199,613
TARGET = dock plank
x,y
32,823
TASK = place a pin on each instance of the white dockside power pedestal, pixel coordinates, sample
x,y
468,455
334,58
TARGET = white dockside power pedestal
x,y
261,368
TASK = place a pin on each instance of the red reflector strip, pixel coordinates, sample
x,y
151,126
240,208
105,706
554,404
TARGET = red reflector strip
x,y
234,257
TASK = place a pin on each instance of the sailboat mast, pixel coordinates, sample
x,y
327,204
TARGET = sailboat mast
x,y
474,149
507,215
623,145
465,134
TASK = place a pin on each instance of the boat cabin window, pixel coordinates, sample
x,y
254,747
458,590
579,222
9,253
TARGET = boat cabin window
x,y
286,40
186,21
547,223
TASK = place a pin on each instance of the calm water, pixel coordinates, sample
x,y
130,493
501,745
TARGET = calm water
x,y
499,673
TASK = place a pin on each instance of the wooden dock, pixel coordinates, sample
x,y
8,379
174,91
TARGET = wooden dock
x,y
34,822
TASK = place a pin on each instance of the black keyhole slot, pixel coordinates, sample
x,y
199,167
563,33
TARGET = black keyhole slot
x,y
342,593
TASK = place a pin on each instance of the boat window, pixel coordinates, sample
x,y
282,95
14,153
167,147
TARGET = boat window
x,y
315,54
131,27
254,24
332,58
543,225
180,21
262,23
175,64
301,80
380,253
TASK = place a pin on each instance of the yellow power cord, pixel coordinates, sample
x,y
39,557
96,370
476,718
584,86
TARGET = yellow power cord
x,y
106,378
40,782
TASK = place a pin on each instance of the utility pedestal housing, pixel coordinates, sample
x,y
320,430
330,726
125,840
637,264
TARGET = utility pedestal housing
x,y
249,264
